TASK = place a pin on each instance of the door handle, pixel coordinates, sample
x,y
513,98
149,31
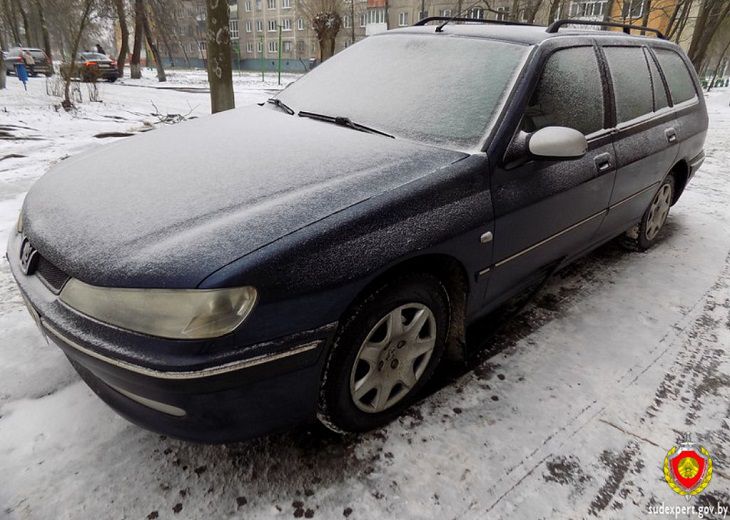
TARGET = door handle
x,y
603,162
671,134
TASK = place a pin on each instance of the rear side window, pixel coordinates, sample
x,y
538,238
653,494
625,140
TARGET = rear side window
x,y
660,94
569,93
680,82
631,82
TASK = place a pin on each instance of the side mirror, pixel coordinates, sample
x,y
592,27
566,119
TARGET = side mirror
x,y
557,142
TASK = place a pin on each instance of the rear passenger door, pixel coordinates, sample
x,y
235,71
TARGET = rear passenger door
x,y
645,135
547,209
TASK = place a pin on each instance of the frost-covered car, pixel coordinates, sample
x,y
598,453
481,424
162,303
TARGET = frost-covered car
x,y
315,256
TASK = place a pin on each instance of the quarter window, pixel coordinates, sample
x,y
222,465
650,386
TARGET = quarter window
x,y
631,82
680,82
569,93
660,94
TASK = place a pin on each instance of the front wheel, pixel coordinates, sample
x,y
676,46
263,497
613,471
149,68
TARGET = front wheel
x,y
385,351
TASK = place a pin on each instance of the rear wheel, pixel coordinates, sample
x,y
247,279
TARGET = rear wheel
x,y
385,351
655,216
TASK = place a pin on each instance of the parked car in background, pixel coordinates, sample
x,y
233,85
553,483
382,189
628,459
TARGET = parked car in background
x,y
92,66
41,65
316,256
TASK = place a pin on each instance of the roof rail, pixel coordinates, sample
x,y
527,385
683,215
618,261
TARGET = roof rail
x,y
553,27
426,20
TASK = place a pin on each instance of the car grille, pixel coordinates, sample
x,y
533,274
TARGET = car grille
x,y
51,275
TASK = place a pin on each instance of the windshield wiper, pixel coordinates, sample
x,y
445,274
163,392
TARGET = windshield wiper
x,y
280,104
344,121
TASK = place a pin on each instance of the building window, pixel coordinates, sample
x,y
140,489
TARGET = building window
x,y
422,15
633,9
271,4
233,28
445,12
403,19
502,13
247,6
363,19
376,15
202,46
300,46
300,24
597,8
258,5
260,46
286,46
249,47
286,4
286,24
259,26
347,21
248,25
477,13
273,46
272,25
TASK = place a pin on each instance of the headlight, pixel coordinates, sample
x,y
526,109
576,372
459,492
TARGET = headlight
x,y
168,313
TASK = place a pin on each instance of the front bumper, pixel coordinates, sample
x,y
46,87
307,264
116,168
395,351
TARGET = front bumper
x,y
205,391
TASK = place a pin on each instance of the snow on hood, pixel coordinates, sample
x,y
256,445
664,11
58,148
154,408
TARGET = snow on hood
x,y
167,208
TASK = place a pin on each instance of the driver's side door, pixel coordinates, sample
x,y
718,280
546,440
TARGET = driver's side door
x,y
547,209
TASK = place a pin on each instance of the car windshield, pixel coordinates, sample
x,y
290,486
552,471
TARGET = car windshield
x,y
93,56
441,90
37,53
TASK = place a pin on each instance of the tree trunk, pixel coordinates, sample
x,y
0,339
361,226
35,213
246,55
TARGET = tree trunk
x,y
12,21
66,103
151,44
134,70
707,24
646,8
2,68
44,33
124,33
26,24
220,74
719,62
513,12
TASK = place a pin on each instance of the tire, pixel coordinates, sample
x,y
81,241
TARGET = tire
x,y
368,353
655,216
111,80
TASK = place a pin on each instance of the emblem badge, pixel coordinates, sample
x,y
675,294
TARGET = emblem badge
x,y
688,469
28,257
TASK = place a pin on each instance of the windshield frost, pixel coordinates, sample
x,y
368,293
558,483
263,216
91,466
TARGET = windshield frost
x,y
438,89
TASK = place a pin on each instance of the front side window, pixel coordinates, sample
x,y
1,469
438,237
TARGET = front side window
x,y
569,93
675,70
396,83
631,82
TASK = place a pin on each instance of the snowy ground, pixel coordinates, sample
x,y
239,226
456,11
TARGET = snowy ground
x,y
569,414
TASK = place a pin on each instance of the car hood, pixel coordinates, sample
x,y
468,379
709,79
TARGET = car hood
x,y
168,208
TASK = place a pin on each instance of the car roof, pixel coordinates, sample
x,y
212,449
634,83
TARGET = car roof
x,y
521,34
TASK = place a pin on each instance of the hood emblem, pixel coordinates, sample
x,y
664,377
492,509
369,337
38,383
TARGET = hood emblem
x,y
28,257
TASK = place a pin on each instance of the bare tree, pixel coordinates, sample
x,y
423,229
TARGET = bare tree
x,y
78,33
134,69
44,32
220,74
26,23
326,19
11,20
711,15
153,47
124,36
